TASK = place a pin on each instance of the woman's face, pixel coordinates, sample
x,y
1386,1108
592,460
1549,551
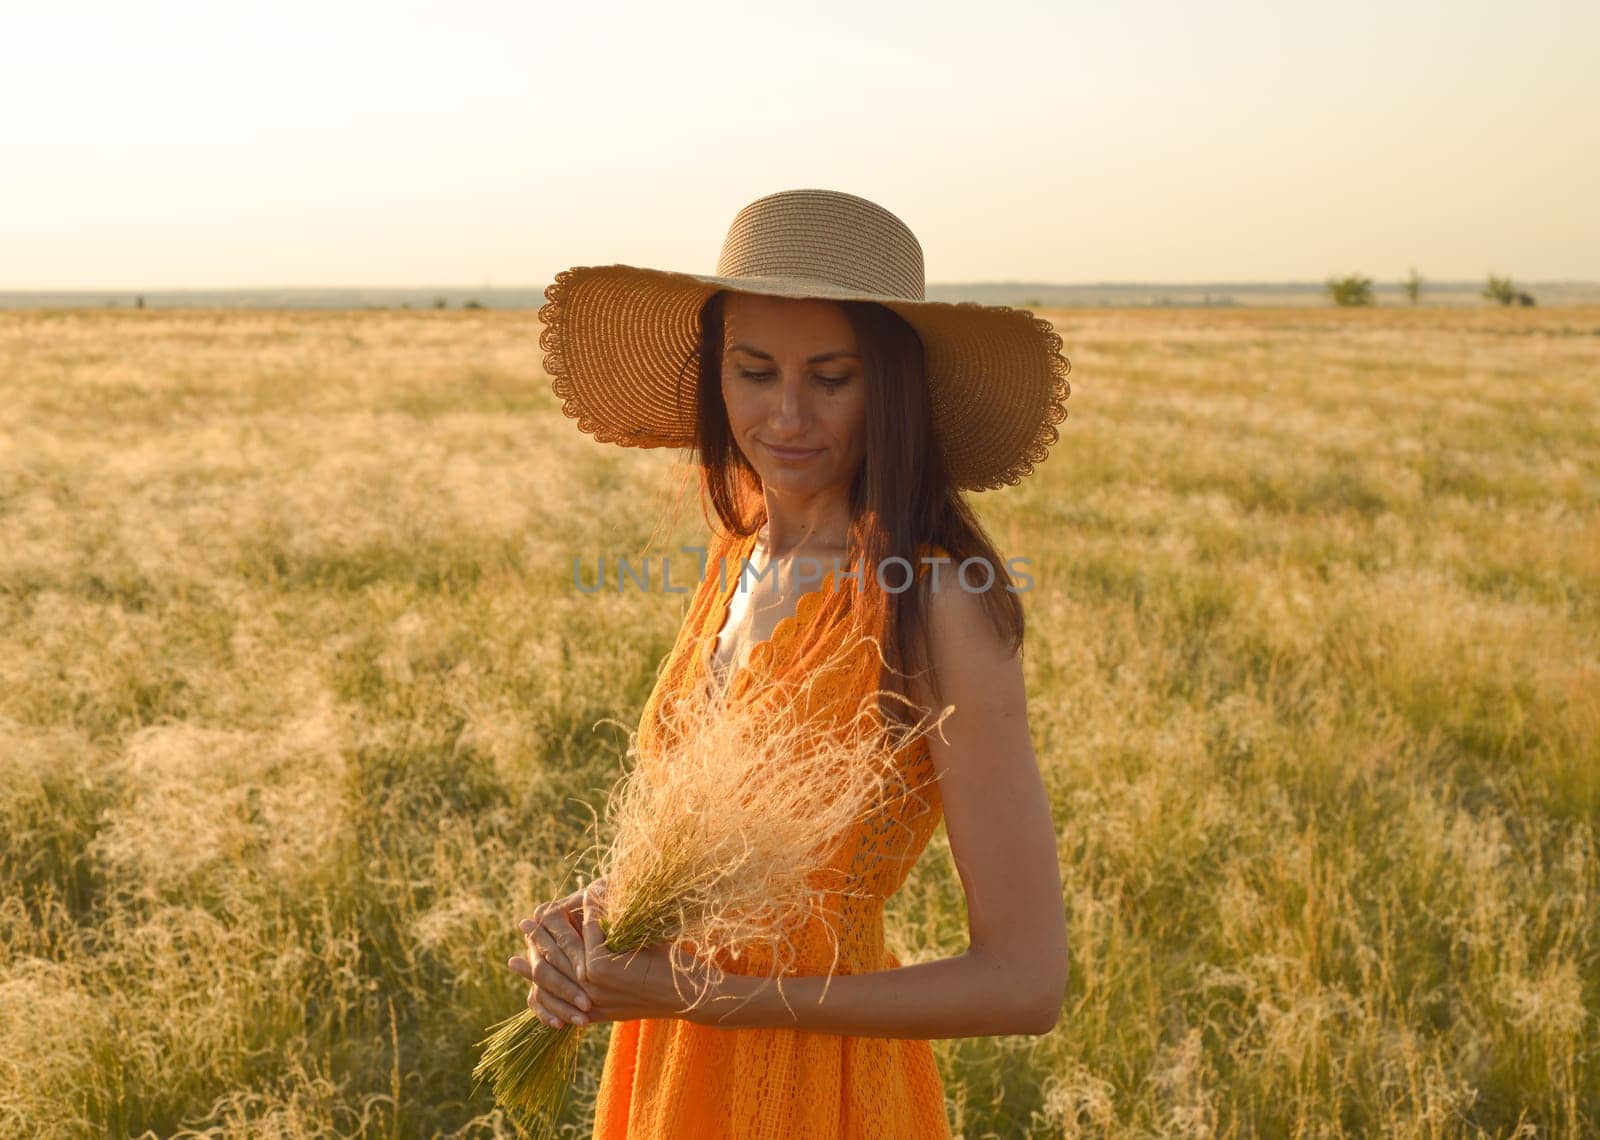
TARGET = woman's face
x,y
795,390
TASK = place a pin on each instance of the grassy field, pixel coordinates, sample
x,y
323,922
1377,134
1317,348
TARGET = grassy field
x,y
298,713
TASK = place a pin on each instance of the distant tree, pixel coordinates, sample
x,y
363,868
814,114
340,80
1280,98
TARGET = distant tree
x,y
1412,286
1525,298
1352,290
1500,289
439,302
474,303
138,302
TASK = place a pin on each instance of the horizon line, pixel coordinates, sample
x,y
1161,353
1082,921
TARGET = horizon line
x,y
986,283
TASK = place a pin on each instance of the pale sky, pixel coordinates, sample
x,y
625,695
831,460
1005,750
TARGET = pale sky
x,y
340,142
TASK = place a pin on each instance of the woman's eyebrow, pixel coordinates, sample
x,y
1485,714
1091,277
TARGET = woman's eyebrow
x,y
817,359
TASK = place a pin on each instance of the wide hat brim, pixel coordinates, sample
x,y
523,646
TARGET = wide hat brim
x,y
620,345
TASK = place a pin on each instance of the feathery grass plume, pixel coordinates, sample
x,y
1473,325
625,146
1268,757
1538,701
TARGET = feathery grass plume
x,y
722,845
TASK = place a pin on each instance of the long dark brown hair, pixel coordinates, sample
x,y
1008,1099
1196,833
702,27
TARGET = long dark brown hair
x,y
900,498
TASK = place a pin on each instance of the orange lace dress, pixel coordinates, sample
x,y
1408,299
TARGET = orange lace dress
x,y
673,1078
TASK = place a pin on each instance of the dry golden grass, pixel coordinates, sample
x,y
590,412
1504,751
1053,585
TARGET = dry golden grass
x,y
298,707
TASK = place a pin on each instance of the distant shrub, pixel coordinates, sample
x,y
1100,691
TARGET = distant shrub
x,y
1500,289
440,302
474,303
1352,290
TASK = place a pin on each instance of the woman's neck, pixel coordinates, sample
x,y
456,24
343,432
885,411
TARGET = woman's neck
x,y
796,528
830,536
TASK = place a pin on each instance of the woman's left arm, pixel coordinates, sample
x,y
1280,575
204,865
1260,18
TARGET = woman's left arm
x,y
1012,978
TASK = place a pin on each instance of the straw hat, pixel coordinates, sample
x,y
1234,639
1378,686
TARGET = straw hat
x,y
620,340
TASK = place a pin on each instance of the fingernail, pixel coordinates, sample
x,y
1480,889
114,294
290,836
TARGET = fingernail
x,y
583,1002
580,1020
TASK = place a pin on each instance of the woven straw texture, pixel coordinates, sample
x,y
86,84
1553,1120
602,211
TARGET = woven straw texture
x,y
674,1078
620,341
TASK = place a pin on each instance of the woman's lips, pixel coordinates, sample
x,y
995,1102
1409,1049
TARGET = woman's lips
x,y
791,453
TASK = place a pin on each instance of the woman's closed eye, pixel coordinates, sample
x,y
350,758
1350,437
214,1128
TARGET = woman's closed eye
x,y
831,381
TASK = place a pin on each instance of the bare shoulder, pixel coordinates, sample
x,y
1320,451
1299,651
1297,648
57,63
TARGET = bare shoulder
x,y
967,652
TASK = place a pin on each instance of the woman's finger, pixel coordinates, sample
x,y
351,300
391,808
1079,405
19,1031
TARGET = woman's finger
x,y
535,918
549,1006
520,965
552,1010
558,925
594,940
559,986
543,945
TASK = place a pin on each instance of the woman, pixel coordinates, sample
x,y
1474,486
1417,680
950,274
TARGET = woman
x,y
836,416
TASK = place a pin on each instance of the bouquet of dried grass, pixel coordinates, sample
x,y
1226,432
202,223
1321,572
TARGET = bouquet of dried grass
x,y
720,841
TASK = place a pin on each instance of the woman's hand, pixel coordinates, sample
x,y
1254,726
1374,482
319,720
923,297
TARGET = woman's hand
x,y
638,983
555,961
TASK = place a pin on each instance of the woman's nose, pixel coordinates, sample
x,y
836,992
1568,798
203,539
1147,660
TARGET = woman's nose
x,y
790,408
